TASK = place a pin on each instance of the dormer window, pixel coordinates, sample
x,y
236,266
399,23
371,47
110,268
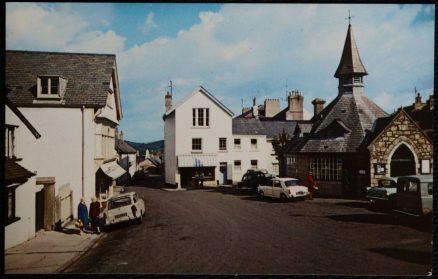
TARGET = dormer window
x,y
51,87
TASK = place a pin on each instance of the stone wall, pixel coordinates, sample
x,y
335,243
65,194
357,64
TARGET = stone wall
x,y
402,130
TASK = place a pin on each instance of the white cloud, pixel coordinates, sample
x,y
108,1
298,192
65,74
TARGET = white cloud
x,y
97,42
149,23
248,50
28,26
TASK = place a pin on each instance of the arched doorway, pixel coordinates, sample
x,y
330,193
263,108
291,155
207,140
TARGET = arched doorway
x,y
402,162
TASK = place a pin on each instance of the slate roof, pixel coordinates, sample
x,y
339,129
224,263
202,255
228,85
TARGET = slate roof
x,y
274,128
248,126
340,127
123,148
88,76
14,173
350,63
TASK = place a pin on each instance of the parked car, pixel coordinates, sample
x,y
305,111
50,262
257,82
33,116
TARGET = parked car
x,y
283,188
414,195
253,178
124,207
384,192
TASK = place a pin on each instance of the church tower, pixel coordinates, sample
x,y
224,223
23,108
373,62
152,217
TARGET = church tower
x,y
350,71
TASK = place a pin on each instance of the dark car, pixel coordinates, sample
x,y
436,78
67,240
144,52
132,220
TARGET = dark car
x,y
252,179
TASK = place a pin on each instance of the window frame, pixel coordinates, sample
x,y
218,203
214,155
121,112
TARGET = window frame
x,y
237,165
252,165
326,168
11,212
253,145
41,86
222,144
196,144
201,117
10,140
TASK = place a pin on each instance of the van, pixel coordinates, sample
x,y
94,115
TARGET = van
x,y
414,195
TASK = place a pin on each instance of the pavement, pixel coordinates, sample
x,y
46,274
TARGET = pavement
x,y
50,252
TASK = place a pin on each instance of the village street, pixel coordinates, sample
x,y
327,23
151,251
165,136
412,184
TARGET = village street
x,y
215,231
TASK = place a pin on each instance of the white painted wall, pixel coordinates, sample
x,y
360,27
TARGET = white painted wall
x,y
24,228
246,154
58,153
178,134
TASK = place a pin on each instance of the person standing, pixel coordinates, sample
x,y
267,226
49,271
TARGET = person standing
x,y
201,177
94,215
83,214
312,185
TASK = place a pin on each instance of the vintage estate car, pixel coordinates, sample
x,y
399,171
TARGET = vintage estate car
x,y
253,178
124,207
283,188
414,195
384,192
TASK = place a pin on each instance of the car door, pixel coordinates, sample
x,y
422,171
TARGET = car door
x,y
276,189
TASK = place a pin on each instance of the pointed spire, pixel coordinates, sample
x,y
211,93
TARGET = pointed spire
x,y
350,63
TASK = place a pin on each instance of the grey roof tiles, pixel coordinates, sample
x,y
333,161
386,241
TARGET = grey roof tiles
x,y
88,76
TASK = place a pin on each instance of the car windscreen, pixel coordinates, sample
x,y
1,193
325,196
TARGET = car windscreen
x,y
292,183
387,183
119,202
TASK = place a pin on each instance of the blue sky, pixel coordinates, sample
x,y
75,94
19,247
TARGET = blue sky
x,y
236,51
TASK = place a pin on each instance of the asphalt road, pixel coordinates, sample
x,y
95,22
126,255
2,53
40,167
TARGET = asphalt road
x,y
219,232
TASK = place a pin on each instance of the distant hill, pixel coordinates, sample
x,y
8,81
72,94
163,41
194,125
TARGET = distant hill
x,y
152,146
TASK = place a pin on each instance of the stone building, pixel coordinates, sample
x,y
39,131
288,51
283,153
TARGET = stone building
x,y
400,144
329,149
353,142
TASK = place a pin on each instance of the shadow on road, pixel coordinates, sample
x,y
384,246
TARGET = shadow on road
x,y
385,219
406,255
375,207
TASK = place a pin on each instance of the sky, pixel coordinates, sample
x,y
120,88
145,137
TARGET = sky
x,y
235,51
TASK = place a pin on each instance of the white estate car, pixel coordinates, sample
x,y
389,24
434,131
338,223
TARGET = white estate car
x,y
283,188
124,207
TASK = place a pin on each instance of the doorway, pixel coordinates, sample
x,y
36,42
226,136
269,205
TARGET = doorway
x,y
402,162
39,210
223,173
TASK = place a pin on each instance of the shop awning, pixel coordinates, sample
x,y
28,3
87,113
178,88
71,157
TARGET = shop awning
x,y
112,169
197,160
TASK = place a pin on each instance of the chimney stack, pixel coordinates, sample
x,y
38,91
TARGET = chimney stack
x,y
168,101
121,136
318,106
255,109
418,104
295,106
272,107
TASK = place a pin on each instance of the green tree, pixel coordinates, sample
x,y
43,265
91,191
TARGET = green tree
x,y
279,142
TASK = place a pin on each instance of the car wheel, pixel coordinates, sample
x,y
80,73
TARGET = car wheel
x,y
283,198
261,195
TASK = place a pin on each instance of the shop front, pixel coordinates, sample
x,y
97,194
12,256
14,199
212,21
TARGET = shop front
x,y
195,169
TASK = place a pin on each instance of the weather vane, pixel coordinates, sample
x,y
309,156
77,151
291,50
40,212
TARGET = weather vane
x,y
349,17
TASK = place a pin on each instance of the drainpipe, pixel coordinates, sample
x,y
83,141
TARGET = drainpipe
x,y
83,143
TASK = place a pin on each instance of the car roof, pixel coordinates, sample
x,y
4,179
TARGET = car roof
x,y
123,195
284,178
423,178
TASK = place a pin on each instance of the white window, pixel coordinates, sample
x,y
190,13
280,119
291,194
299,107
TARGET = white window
x,y
237,166
253,164
326,168
50,87
237,145
253,144
196,144
357,79
222,143
201,117
10,141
